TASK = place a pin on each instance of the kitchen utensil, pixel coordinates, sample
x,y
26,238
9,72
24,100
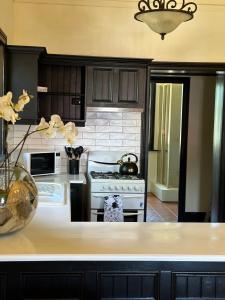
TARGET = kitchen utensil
x,y
75,153
68,153
128,167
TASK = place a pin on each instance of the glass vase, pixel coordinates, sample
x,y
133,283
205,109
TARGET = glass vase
x,y
18,198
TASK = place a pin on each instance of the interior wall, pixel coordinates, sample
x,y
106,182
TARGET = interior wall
x,y
200,144
6,18
108,28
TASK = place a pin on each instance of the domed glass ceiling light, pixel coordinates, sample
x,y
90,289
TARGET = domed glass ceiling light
x,y
164,16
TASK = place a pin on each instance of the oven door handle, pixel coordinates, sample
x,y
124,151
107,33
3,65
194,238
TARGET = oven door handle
x,y
125,214
122,196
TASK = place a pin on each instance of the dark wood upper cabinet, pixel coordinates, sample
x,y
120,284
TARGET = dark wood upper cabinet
x,y
65,96
100,86
73,82
22,73
118,86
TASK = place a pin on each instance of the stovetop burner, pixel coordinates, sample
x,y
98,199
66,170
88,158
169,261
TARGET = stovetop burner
x,y
115,175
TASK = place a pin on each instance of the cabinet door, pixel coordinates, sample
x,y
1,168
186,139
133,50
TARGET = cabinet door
x,y
2,287
198,286
22,72
52,286
100,90
131,86
65,95
135,286
116,87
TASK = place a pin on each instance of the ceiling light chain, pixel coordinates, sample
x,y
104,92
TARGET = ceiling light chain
x,y
163,16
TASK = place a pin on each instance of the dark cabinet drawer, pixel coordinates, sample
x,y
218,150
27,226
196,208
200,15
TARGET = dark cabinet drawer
x,y
52,286
189,286
136,286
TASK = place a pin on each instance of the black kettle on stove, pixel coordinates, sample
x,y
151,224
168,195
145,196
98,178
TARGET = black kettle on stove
x,y
128,167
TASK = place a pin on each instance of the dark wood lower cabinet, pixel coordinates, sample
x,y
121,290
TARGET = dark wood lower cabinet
x,y
112,281
2,286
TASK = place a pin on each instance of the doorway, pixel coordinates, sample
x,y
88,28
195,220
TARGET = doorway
x,y
168,131
201,162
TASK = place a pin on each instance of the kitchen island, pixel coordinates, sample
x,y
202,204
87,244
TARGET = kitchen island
x,y
53,258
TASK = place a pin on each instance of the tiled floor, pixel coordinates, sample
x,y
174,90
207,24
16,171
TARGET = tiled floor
x,y
158,211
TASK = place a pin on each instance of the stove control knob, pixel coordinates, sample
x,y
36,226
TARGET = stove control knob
x,y
123,188
136,188
103,188
116,188
129,188
110,188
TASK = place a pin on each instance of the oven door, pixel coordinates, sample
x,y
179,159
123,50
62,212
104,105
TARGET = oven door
x,y
133,207
130,201
97,215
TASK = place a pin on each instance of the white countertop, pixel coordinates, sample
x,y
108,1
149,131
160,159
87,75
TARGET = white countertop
x,y
51,237
62,178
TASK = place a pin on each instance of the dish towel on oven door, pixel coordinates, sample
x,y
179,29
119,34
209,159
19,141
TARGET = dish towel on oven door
x,y
113,209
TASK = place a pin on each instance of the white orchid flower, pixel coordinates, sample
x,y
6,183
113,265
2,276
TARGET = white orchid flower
x,y
23,100
6,100
56,121
8,114
42,125
70,132
50,132
46,129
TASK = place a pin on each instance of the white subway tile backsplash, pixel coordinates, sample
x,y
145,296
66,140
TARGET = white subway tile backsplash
x,y
116,136
115,143
102,136
102,128
104,131
87,142
97,122
87,129
109,115
123,149
130,137
109,129
132,115
102,148
89,135
130,143
138,150
102,142
131,129
115,129
91,115
129,122
138,122
116,122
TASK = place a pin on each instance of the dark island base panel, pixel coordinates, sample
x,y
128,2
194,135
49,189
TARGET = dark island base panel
x,y
112,280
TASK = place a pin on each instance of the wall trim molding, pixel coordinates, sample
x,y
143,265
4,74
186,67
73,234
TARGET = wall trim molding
x,y
109,3
89,3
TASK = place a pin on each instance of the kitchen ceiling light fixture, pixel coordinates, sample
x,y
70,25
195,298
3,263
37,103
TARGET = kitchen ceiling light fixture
x,y
164,16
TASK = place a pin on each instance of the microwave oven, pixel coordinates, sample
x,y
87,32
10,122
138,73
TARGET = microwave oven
x,y
42,163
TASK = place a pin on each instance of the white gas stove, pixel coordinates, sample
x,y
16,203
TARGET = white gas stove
x,y
105,180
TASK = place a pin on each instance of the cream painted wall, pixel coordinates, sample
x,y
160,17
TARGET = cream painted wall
x,y
107,28
6,18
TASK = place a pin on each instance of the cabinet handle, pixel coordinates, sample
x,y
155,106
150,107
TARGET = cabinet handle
x,y
75,101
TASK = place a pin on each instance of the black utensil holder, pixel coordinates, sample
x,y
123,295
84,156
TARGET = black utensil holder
x,y
74,166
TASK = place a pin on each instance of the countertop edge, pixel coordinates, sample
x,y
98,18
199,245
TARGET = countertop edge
x,y
108,257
